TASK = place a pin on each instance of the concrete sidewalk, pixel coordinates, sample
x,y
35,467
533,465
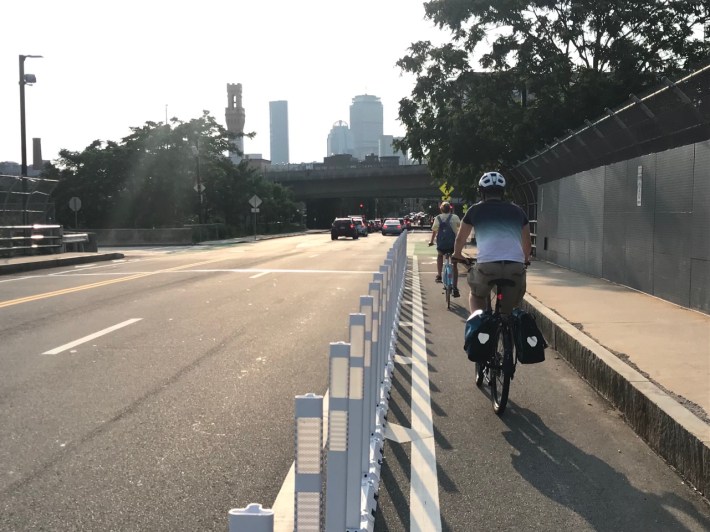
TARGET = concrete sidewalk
x,y
650,358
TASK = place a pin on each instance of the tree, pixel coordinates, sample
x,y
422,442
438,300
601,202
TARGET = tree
x,y
148,179
544,66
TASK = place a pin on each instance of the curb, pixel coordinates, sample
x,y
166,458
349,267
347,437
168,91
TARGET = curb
x,y
56,263
673,432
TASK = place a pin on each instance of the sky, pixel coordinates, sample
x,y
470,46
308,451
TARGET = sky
x,y
108,67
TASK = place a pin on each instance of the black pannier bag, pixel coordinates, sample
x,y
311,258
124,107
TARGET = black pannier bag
x,y
479,336
529,343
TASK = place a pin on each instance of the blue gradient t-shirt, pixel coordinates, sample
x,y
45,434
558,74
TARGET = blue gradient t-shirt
x,y
498,225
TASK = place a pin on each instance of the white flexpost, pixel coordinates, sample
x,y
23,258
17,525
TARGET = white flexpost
x,y
376,294
386,311
337,463
308,464
253,518
355,404
368,403
392,301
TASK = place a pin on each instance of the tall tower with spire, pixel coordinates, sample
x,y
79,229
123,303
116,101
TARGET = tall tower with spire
x,y
235,116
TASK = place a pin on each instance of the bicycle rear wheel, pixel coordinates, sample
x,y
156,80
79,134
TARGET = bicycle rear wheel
x,y
448,283
500,372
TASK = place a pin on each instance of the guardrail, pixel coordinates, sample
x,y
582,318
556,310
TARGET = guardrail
x,y
29,239
353,422
75,242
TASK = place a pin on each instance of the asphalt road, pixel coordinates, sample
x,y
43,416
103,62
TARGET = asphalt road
x,y
157,393
183,407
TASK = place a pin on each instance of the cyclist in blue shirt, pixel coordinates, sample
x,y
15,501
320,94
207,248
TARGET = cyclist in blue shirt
x,y
503,242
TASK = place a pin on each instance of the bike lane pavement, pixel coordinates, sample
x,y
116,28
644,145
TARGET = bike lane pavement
x,y
562,456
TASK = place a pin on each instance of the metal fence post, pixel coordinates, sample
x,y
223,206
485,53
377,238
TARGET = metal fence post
x,y
309,439
337,463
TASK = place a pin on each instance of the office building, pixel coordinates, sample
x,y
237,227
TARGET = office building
x,y
340,139
366,125
278,130
385,147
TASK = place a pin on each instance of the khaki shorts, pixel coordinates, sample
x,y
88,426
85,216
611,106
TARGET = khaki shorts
x,y
480,276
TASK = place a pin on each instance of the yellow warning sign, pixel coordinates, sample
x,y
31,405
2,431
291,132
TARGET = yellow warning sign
x,y
446,189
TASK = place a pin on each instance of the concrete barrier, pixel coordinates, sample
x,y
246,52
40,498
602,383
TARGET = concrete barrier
x,y
144,237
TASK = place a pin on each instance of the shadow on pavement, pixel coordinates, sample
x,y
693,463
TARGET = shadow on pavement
x,y
587,485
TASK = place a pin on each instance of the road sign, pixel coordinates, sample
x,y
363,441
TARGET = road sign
x,y
201,188
446,189
255,201
254,209
75,204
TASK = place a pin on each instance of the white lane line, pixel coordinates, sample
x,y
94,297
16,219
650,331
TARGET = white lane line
x,y
16,279
80,341
258,275
424,511
82,267
245,270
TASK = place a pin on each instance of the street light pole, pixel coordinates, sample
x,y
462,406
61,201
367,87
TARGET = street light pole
x,y
24,80
200,214
198,186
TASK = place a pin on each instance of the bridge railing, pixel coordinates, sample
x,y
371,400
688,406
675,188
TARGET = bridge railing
x,y
352,425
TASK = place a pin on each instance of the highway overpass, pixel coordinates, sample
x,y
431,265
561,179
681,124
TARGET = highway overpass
x,y
316,181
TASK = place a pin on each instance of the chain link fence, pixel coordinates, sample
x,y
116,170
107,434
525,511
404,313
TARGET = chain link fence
x,y
672,114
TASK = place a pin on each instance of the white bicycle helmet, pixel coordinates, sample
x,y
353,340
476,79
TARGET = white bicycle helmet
x,y
491,180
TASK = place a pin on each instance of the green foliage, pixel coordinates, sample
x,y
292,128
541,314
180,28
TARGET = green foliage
x,y
148,178
543,67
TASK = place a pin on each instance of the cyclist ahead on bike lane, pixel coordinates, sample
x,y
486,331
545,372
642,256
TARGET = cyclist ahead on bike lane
x,y
444,230
503,242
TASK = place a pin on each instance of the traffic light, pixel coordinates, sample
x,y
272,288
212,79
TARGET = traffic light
x,y
361,205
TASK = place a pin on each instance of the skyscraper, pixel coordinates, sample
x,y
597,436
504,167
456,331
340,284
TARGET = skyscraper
x,y
366,125
340,139
278,130
235,116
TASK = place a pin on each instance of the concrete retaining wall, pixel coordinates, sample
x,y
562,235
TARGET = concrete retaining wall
x,y
675,433
144,237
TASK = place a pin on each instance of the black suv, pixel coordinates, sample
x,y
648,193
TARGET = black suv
x,y
343,227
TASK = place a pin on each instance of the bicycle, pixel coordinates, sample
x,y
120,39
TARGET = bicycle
x,y
447,278
499,369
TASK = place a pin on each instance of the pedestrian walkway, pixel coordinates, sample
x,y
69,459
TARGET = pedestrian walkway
x,y
668,344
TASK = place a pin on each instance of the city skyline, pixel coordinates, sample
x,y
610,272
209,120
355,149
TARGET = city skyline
x,y
98,80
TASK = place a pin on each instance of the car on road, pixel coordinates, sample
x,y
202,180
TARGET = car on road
x,y
392,226
344,227
360,224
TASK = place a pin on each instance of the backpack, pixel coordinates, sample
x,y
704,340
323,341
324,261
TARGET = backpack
x,y
479,336
445,236
529,343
